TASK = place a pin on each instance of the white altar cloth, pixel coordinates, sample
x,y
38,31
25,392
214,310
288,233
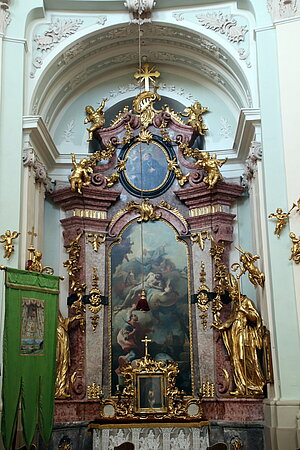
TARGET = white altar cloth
x,y
150,436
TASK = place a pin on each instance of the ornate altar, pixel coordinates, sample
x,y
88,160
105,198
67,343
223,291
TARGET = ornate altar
x,y
147,230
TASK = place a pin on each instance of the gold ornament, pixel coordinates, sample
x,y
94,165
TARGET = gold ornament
x,y
143,106
7,240
295,250
281,219
94,392
254,274
200,237
146,210
80,174
35,262
147,75
242,337
208,389
211,166
95,299
194,113
120,166
173,165
96,117
63,360
96,240
74,254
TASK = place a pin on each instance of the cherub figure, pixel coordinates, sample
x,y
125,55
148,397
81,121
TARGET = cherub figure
x,y
96,117
194,113
281,219
36,265
254,274
211,165
295,250
80,174
7,240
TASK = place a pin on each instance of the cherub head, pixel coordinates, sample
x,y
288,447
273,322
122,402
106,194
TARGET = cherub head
x,y
7,233
83,162
279,210
38,255
89,109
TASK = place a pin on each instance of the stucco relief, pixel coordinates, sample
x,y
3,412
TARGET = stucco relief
x,y
59,28
140,10
4,16
255,154
282,9
30,159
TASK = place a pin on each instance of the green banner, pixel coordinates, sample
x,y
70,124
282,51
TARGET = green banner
x,y
31,302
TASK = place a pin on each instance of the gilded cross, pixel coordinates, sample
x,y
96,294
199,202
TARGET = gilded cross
x,y
32,234
146,340
147,75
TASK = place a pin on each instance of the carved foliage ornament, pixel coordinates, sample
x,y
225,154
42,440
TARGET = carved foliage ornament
x,y
280,9
4,15
224,25
140,10
255,154
30,159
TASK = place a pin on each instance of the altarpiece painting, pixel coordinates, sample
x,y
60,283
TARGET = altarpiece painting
x,y
164,267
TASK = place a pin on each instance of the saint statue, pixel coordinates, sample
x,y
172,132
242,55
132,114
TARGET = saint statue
x,y
63,360
242,337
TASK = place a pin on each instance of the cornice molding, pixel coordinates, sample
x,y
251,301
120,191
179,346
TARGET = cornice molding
x,y
36,132
247,130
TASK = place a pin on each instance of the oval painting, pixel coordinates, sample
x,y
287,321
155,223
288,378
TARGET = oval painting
x,y
146,166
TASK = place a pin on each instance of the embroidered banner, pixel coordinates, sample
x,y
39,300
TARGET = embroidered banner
x,y
31,301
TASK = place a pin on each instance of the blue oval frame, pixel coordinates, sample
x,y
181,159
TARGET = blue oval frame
x,y
153,192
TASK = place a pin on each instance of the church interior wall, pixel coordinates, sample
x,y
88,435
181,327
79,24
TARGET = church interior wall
x,y
264,75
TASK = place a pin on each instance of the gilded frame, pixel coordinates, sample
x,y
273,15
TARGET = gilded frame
x,y
146,384
144,192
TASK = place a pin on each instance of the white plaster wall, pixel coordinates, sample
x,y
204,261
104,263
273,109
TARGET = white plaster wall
x,y
289,75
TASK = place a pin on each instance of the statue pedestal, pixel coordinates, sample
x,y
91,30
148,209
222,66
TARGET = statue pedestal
x,y
151,436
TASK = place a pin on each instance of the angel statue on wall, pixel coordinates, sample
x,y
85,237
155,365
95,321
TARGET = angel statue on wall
x,y
295,250
247,265
7,240
63,360
281,219
211,166
194,113
80,174
96,117
242,335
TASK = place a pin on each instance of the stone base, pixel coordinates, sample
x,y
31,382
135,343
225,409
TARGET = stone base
x,y
251,435
282,424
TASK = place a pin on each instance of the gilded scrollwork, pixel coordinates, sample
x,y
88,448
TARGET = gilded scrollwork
x,y
200,238
96,240
173,166
146,210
